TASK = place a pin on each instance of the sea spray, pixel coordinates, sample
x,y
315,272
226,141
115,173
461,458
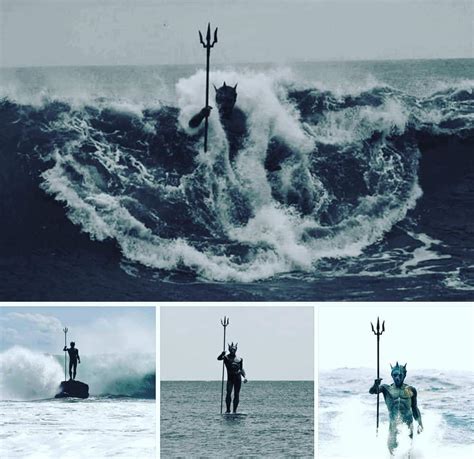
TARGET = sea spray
x,y
130,375
28,375
354,435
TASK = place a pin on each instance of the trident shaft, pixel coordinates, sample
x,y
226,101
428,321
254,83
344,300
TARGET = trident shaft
x,y
378,332
224,322
65,345
207,45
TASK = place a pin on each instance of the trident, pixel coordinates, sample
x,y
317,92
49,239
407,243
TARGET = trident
x,y
377,334
208,45
224,322
65,345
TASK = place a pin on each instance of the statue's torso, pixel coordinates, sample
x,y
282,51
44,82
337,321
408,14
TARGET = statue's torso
x,y
73,353
399,402
233,366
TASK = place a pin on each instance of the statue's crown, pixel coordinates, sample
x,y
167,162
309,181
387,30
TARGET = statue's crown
x,y
232,346
400,368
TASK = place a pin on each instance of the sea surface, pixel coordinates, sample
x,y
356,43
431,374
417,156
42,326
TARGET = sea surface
x,y
279,420
347,416
117,420
108,195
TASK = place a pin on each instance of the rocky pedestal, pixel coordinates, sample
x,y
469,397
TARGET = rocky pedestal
x,y
73,388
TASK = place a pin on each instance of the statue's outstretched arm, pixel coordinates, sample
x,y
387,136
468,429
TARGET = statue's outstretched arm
x,y
416,410
221,356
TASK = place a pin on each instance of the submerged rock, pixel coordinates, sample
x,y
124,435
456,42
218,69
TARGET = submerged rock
x,y
73,388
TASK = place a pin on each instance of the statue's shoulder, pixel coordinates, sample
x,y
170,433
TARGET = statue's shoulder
x,y
411,390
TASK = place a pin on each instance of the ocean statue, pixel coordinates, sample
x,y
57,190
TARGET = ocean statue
x,y
74,359
232,118
235,370
72,388
401,401
234,122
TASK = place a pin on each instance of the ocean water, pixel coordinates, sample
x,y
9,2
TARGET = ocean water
x,y
108,195
117,420
347,416
279,420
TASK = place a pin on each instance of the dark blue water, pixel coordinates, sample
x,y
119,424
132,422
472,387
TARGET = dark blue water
x,y
279,420
108,195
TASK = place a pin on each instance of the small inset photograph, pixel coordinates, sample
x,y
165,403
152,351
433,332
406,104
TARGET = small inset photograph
x,y
396,382
78,382
237,381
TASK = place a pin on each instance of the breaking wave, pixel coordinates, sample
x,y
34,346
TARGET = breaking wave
x,y
320,176
29,375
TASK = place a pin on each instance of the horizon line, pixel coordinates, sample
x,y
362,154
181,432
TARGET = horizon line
x,y
240,63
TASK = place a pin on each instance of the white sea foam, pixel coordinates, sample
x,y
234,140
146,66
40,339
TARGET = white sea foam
x,y
279,236
355,437
27,375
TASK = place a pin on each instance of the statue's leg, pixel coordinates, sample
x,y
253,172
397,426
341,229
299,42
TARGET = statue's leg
x,y
74,369
237,384
228,395
392,439
70,369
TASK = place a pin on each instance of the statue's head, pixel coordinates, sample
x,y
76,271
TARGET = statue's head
x,y
232,348
72,343
225,99
399,373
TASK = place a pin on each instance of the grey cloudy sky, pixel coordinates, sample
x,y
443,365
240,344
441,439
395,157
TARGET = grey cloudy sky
x,y
115,32
276,343
434,336
96,330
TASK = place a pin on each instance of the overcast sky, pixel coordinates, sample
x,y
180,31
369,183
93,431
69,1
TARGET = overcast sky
x,y
434,336
114,32
96,330
276,343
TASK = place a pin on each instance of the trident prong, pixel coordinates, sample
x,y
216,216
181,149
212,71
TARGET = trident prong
x,y
225,321
378,332
208,44
65,330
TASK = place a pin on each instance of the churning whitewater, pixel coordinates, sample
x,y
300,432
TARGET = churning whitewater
x,y
346,172
29,375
